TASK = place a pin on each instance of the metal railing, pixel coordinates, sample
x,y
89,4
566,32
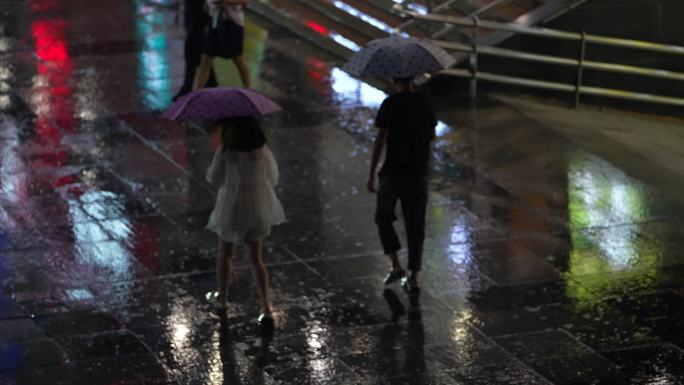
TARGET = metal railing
x,y
475,49
445,6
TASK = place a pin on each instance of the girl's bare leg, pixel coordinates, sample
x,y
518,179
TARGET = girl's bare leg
x,y
224,268
243,70
203,72
261,274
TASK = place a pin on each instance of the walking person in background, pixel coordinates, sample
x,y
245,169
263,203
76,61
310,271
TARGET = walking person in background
x,y
245,174
223,37
196,21
406,124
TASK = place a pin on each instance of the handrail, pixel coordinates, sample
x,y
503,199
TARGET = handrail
x,y
478,12
533,57
555,86
475,49
550,33
407,23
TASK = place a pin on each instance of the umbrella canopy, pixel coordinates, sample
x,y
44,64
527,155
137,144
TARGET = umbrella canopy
x,y
221,102
398,57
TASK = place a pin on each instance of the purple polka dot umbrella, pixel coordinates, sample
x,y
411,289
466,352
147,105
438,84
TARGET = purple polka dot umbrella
x,y
398,57
221,102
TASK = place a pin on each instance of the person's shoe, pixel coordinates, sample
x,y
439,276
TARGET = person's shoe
x,y
394,276
266,321
215,299
409,287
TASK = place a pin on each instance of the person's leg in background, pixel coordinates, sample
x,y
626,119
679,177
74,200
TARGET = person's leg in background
x,y
195,23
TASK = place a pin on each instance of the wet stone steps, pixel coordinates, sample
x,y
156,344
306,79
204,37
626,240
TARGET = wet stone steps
x,y
343,26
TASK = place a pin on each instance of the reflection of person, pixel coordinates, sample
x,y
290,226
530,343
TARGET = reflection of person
x,y
233,371
195,22
245,173
223,37
406,123
412,348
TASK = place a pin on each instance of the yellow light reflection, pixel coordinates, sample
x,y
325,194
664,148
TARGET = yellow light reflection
x,y
606,254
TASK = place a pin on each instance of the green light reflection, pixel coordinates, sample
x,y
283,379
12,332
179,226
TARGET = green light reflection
x,y
607,257
153,74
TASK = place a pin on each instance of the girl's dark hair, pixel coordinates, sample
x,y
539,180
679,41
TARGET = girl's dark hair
x,y
241,134
404,81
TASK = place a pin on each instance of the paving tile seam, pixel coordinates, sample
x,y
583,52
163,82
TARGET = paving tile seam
x,y
329,257
510,355
134,187
296,257
168,158
664,343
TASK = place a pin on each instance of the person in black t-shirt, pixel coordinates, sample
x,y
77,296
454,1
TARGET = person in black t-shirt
x,y
406,123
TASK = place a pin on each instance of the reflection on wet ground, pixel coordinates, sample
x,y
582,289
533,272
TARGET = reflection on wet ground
x,y
544,263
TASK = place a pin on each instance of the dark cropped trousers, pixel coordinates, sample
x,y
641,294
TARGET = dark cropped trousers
x,y
412,194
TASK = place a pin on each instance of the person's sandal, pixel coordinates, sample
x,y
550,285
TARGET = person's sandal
x,y
394,276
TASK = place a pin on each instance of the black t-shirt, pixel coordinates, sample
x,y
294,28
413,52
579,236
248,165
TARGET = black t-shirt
x,y
410,122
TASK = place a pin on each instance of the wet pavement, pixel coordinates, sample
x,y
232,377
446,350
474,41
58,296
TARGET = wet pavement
x,y
545,263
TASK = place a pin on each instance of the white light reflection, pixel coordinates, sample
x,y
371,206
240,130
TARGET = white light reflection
x,y
350,88
180,333
179,328
88,99
317,337
344,41
459,244
365,17
216,372
13,186
5,102
5,73
414,7
91,239
41,95
442,129
40,81
600,196
418,8
5,44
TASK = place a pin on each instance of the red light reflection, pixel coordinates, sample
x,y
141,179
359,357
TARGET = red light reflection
x,y
317,27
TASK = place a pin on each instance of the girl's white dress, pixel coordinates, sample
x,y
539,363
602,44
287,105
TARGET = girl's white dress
x,y
246,202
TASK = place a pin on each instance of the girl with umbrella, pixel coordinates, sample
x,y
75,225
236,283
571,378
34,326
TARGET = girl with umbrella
x,y
244,172
223,37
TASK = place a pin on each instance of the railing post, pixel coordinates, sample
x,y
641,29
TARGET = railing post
x,y
474,59
580,68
